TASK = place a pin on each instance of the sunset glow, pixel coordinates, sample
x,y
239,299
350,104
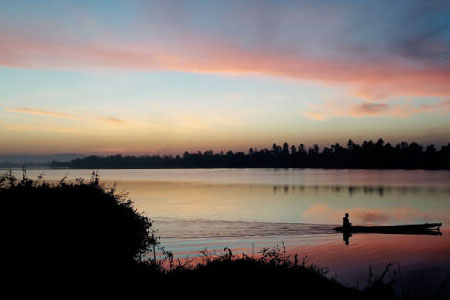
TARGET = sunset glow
x,y
168,76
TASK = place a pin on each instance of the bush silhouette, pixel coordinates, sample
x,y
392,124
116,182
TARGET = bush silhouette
x,y
68,228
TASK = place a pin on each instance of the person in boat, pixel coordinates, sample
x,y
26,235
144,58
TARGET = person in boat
x,y
346,222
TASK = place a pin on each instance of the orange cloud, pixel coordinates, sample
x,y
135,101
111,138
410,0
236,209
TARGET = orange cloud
x,y
43,113
105,119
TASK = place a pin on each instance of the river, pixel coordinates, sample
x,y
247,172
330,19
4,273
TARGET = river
x,y
295,209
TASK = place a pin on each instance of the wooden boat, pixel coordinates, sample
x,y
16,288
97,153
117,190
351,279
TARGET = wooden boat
x,y
427,228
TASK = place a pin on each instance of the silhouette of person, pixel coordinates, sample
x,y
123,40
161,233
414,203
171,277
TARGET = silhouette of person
x,y
346,221
346,237
346,225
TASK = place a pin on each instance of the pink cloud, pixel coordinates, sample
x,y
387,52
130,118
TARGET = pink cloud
x,y
370,80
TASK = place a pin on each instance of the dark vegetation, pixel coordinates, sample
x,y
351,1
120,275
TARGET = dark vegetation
x,y
67,228
368,155
73,235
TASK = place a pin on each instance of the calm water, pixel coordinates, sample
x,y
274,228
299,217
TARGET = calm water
x,y
249,209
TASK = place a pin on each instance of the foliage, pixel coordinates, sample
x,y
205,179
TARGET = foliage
x,y
270,274
72,227
368,155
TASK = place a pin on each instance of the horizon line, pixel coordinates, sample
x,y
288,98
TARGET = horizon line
x,y
205,149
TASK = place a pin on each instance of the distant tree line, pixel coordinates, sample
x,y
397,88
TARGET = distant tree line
x,y
368,155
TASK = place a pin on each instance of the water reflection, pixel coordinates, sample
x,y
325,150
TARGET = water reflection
x,y
355,190
422,260
279,177
290,203
347,235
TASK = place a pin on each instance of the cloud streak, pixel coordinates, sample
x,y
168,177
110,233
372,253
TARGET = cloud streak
x,y
45,113
203,54
112,120
334,109
372,108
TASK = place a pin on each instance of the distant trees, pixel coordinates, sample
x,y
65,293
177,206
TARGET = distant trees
x,y
368,155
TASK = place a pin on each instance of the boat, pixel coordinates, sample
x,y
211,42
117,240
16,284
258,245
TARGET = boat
x,y
427,228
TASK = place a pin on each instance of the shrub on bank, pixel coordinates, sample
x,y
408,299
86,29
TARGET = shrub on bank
x,y
66,228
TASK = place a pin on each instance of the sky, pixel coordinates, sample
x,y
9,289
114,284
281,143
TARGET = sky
x,y
106,77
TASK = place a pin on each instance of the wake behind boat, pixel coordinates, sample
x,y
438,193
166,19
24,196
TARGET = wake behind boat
x,y
427,228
